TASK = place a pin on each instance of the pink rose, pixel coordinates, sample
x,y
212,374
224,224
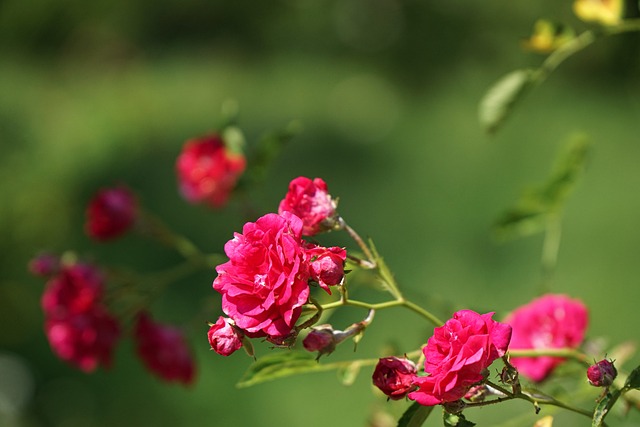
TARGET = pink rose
x,y
164,350
85,339
551,321
207,170
327,265
457,355
110,213
309,200
394,376
224,339
265,282
75,289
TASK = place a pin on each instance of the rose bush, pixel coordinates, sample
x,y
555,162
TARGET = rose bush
x,y
457,355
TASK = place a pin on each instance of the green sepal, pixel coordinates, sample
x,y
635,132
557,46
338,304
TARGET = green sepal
x,y
499,100
456,420
415,415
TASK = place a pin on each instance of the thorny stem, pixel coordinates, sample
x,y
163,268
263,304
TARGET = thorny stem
x,y
370,262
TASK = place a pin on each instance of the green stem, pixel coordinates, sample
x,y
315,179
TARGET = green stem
x,y
370,260
546,400
550,250
569,353
151,226
387,304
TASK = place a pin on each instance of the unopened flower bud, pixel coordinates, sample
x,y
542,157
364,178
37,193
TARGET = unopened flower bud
x,y
224,337
394,376
111,213
320,340
602,373
327,265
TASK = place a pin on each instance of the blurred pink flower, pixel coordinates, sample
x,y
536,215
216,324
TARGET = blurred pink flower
x,y
111,213
208,171
164,350
548,322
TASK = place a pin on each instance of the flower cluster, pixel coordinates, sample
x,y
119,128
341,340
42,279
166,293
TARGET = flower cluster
x,y
78,325
266,281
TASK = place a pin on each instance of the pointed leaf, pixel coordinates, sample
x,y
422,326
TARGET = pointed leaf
x,y
602,408
633,380
349,373
500,99
415,415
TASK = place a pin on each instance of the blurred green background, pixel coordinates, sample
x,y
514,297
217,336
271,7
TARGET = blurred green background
x,y
97,93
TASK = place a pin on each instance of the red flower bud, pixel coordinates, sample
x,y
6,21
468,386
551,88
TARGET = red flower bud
x,y
394,376
224,337
320,340
111,213
602,373
44,265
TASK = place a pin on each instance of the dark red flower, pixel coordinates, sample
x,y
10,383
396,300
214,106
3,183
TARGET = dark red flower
x,y
394,376
111,213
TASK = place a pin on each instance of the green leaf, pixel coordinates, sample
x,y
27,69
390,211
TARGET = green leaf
x,y
279,365
499,100
456,420
415,415
531,212
349,373
602,408
633,380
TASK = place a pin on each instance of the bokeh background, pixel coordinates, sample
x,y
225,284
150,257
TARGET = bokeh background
x,y
103,92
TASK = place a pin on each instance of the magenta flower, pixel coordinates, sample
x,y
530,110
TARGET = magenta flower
x,y
327,265
44,265
208,171
164,350
394,376
111,213
551,321
265,282
224,338
85,339
457,355
309,200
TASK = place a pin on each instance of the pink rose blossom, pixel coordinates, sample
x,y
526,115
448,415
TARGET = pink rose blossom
x,y
85,339
164,350
265,282
224,339
76,289
327,265
457,355
551,321
394,376
207,170
309,200
111,213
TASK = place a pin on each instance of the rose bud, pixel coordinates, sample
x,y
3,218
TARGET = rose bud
x,y
394,376
110,213
602,373
320,339
224,337
327,265
310,201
